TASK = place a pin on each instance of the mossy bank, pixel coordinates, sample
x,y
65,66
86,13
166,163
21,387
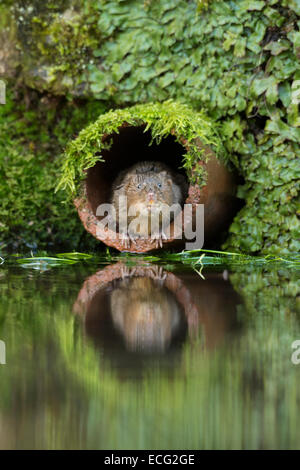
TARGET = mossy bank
x,y
32,215
238,60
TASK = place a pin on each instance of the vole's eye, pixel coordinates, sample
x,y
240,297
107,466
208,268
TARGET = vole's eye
x,y
159,185
139,186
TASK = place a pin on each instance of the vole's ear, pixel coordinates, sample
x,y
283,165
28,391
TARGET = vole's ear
x,y
169,181
131,178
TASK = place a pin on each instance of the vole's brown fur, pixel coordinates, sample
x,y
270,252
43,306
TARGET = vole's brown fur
x,y
148,186
145,313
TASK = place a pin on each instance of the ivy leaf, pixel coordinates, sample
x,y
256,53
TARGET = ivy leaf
x,y
293,115
99,81
260,85
253,5
230,40
276,47
272,92
294,5
274,15
119,70
166,79
240,47
105,24
284,91
279,127
256,37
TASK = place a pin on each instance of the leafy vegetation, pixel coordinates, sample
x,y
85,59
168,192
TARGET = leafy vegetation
x,y
237,60
31,140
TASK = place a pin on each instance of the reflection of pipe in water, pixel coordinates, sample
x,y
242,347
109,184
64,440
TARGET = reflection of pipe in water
x,y
150,308
215,301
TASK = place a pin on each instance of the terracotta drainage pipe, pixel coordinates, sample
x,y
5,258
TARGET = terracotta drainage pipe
x,y
131,145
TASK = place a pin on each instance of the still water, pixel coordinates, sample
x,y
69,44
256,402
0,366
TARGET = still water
x,y
148,357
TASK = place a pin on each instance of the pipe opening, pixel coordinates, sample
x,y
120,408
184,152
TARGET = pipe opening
x,y
130,146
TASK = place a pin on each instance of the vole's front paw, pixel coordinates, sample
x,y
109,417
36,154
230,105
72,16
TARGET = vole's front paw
x,y
158,273
133,238
127,272
158,239
125,241
163,236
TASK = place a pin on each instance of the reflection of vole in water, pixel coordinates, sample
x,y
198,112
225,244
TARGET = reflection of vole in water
x,y
145,313
149,187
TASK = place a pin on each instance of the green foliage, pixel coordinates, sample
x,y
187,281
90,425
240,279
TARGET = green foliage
x,y
237,59
162,119
269,222
31,143
257,287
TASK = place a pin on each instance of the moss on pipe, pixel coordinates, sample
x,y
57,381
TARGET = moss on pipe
x,y
162,119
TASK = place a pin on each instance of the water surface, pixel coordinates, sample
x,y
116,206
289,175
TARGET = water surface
x,y
118,356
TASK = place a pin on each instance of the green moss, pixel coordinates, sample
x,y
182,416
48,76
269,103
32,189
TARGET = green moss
x,y
162,119
57,39
31,142
236,59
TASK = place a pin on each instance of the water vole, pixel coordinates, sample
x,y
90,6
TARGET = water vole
x,y
149,188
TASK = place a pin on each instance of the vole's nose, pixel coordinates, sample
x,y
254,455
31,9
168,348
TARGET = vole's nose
x,y
151,196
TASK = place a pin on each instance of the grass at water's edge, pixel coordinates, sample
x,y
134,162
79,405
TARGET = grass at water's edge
x,y
189,259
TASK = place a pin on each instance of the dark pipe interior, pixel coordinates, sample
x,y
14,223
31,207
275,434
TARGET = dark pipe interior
x,y
130,146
